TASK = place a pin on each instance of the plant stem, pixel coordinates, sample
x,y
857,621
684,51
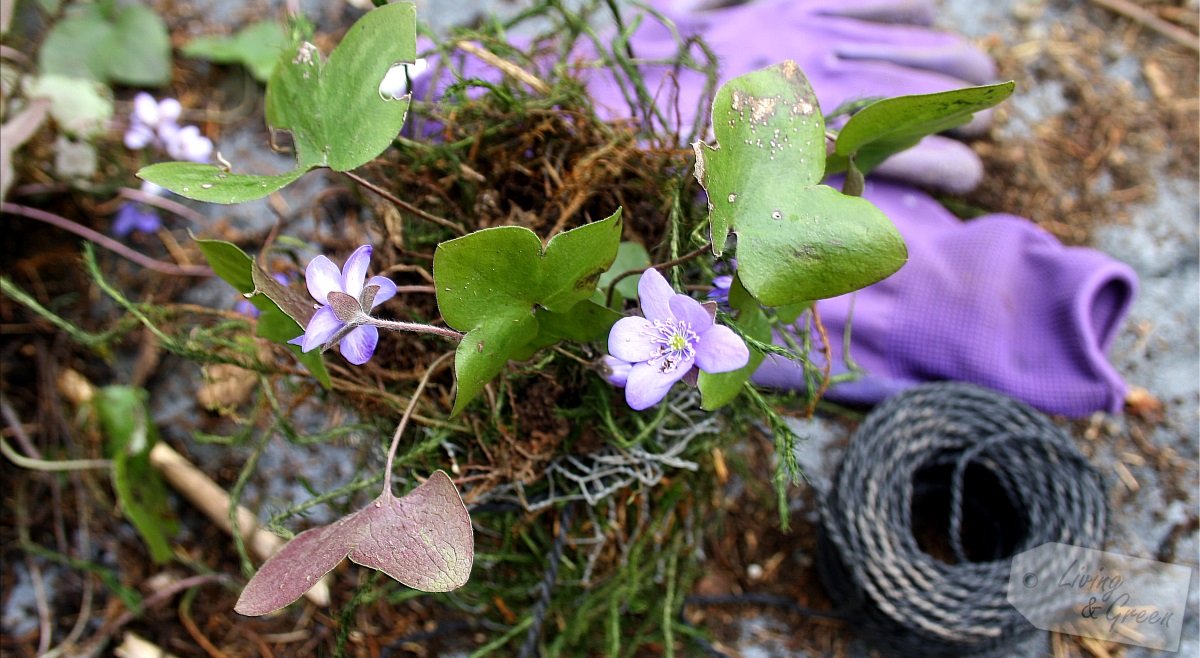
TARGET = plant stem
x,y
44,465
404,205
104,241
612,286
412,404
445,332
168,205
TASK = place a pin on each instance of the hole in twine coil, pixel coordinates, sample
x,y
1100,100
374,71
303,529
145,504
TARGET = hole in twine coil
x,y
938,488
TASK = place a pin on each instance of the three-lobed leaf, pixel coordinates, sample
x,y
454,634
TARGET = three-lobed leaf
x,y
333,109
257,47
423,540
797,240
494,284
630,256
128,45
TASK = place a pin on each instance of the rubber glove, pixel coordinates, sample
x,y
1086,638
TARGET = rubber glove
x,y
849,49
995,301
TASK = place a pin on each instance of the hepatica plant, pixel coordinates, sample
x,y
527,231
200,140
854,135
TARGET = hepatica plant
x,y
506,294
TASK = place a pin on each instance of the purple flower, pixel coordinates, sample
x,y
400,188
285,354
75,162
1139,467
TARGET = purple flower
x,y
676,337
134,217
157,123
148,117
720,291
346,302
722,282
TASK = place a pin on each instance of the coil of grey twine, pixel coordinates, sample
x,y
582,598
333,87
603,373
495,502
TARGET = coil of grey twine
x,y
938,488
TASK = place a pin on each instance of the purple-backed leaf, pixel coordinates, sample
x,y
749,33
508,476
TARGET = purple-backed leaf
x,y
295,305
288,574
423,539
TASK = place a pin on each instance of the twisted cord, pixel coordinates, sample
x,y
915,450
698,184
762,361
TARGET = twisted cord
x,y
1011,481
546,587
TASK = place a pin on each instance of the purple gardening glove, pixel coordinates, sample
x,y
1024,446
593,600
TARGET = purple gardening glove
x,y
995,301
849,49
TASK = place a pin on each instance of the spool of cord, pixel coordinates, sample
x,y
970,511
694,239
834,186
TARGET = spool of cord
x,y
938,488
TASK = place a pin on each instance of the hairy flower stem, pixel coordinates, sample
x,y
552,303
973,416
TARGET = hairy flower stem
x,y
414,327
412,404
444,332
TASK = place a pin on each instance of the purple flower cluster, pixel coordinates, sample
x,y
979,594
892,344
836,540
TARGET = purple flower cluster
x,y
676,338
156,123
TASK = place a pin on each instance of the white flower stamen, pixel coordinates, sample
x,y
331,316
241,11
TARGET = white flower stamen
x,y
676,344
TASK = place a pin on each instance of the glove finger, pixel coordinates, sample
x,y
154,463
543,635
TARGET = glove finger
x,y
911,12
936,162
950,56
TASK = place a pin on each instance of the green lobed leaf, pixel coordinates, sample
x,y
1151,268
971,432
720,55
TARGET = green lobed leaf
x,y
129,436
891,125
257,47
237,269
494,284
630,256
771,135
805,243
131,47
213,184
138,51
797,240
333,109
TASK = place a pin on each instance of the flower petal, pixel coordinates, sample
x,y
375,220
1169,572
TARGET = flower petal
x,y
721,350
323,325
359,345
354,272
692,311
614,370
387,289
322,277
654,294
145,109
629,340
169,110
138,136
132,217
646,385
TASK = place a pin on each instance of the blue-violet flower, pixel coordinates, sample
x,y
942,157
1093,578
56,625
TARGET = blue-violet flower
x,y
676,337
346,297
133,216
